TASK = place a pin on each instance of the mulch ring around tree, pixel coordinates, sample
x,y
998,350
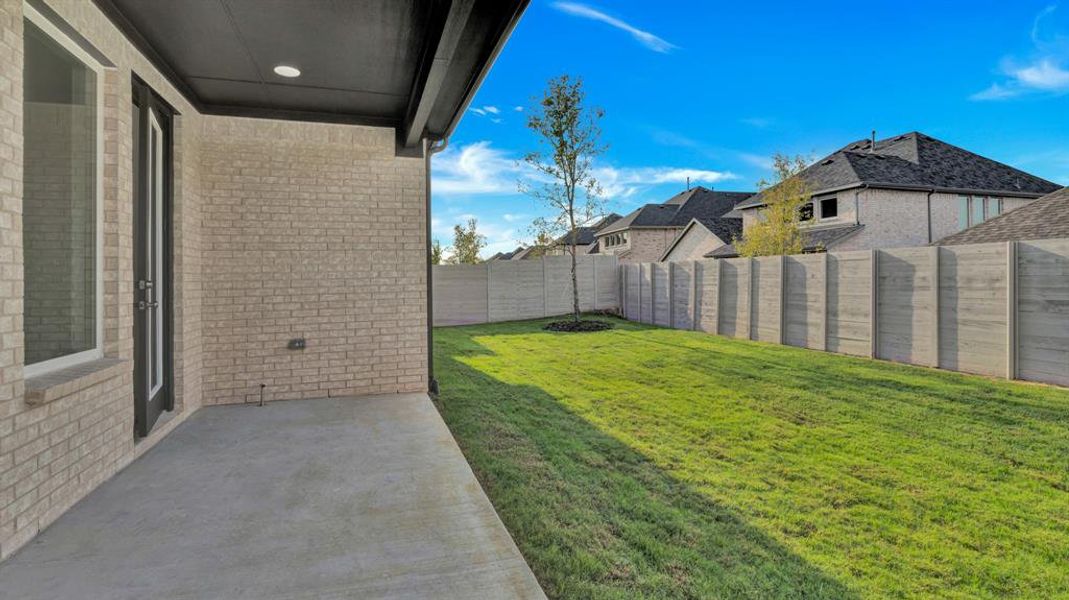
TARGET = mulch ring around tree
x,y
583,326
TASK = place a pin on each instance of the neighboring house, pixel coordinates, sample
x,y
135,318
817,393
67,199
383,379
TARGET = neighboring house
x,y
586,237
907,190
1043,219
519,251
702,236
645,234
186,219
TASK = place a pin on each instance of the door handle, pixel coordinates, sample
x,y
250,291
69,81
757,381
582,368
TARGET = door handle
x,y
142,305
144,284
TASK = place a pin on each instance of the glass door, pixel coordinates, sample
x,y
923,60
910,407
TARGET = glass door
x,y
152,281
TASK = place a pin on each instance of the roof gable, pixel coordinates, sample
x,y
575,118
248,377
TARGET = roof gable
x,y
679,210
586,234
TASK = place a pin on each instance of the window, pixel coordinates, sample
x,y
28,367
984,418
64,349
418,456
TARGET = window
x,y
829,208
994,207
806,212
975,210
61,217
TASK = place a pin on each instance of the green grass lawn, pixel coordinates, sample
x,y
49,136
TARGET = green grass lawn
x,y
647,462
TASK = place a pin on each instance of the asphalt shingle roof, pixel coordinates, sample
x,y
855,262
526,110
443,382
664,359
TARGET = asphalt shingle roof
x,y
813,240
916,160
586,234
696,203
1045,218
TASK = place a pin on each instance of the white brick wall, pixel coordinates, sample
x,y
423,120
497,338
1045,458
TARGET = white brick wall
x,y
280,229
313,231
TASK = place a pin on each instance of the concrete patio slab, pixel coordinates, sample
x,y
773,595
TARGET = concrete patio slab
x,y
335,498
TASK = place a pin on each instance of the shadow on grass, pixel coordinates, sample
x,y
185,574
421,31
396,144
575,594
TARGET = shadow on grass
x,y
592,516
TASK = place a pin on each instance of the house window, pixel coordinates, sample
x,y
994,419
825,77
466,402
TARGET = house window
x,y
974,210
61,216
994,207
806,212
829,208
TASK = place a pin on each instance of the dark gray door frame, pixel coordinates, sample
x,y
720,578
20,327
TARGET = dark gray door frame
x,y
147,409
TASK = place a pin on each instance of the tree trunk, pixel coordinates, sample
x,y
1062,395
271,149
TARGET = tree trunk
x,y
575,284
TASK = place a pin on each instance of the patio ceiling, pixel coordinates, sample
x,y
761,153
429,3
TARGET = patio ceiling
x,y
409,64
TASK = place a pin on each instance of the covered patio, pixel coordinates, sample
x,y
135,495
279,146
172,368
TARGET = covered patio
x,y
333,498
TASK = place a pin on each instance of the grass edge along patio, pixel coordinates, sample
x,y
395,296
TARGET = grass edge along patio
x,y
649,462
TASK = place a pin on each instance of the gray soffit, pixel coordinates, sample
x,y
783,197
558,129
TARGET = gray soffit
x,y
413,65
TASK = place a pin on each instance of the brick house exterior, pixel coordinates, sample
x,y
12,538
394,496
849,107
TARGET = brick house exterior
x,y
280,229
647,232
907,190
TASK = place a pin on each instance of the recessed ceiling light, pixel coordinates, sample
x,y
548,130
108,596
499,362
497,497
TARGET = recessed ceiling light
x,y
287,71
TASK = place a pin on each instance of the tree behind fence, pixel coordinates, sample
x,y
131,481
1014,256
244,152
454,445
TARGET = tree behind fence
x,y
993,309
512,290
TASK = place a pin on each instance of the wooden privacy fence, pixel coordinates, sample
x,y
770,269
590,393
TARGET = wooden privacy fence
x,y
511,290
994,309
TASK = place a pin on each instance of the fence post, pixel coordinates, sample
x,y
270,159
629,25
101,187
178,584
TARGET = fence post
x,y
935,306
671,295
695,311
545,289
874,288
782,298
749,298
638,267
1011,310
489,271
824,307
716,299
653,295
594,267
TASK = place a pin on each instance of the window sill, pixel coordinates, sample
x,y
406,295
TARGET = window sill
x,y
48,387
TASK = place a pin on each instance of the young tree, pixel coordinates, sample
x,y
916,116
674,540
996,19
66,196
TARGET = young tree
x,y
776,231
569,138
543,242
436,252
467,243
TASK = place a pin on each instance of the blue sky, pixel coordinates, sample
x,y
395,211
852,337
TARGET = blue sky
x,y
713,89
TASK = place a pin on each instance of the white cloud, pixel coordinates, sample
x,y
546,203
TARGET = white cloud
x,y
995,92
479,168
645,38
624,182
512,218
474,169
1045,73
1042,76
1037,23
517,108
757,160
482,111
